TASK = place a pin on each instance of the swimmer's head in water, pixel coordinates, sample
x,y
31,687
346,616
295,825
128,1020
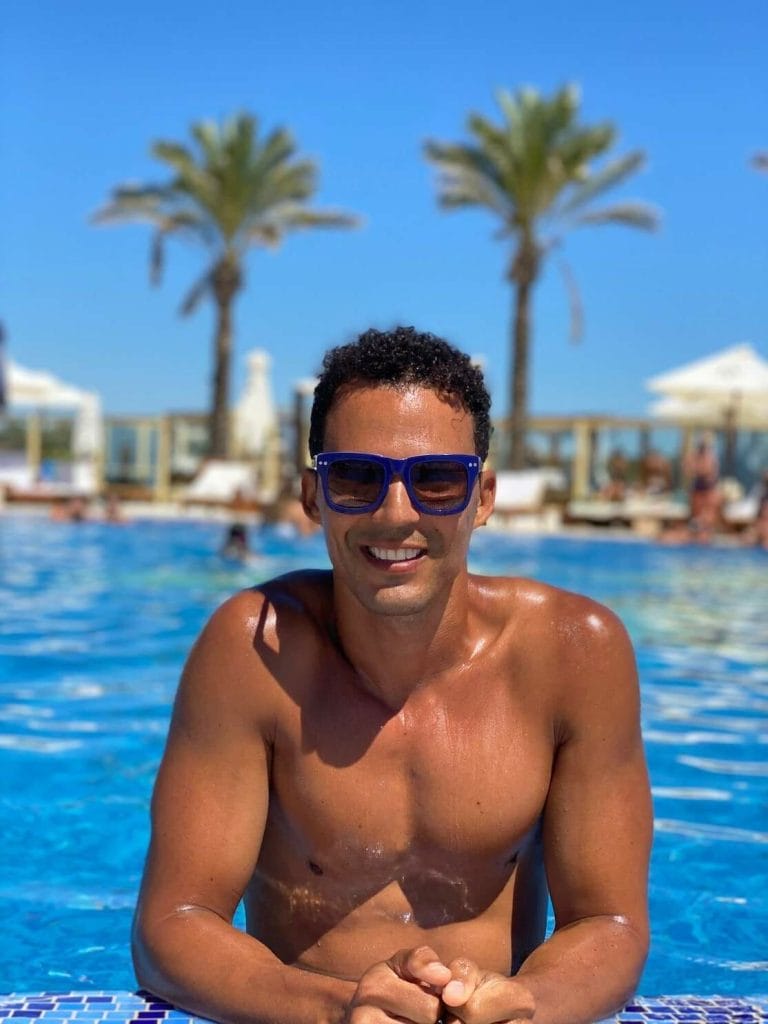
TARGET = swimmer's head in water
x,y
402,358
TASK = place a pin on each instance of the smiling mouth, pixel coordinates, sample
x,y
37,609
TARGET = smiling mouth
x,y
393,555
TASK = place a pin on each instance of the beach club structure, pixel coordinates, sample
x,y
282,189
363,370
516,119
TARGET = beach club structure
x,y
582,468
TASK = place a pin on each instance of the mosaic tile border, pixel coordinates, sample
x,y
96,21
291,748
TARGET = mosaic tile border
x,y
144,1008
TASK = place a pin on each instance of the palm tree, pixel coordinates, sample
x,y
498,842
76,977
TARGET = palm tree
x,y
231,191
533,171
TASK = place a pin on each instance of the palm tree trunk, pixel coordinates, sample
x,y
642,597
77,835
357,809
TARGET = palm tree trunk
x,y
226,280
219,410
523,274
518,379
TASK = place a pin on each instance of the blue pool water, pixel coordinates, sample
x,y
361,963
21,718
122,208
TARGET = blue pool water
x,y
96,620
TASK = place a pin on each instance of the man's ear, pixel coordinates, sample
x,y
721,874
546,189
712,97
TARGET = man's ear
x,y
309,483
487,497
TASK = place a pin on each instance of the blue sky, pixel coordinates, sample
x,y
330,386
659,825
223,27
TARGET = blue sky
x,y
86,86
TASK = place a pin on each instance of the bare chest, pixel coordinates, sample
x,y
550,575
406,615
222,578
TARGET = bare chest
x,y
453,778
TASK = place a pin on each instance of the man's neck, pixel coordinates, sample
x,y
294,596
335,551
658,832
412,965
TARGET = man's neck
x,y
395,654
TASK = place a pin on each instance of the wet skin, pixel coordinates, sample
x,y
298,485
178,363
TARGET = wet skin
x,y
386,757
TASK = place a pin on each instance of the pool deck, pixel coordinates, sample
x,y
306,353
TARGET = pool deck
x,y
143,1008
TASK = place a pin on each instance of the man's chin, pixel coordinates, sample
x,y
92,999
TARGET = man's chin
x,y
396,599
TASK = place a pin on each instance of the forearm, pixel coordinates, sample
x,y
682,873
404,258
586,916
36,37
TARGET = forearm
x,y
199,962
585,971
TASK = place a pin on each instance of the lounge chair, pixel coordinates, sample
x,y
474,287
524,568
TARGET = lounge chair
x,y
743,511
520,500
647,514
224,483
77,479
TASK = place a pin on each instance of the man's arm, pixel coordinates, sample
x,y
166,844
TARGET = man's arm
x,y
208,813
597,833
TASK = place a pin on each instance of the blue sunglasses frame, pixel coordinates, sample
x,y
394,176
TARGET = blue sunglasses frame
x,y
322,463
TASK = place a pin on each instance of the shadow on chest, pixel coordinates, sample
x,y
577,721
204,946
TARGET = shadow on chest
x,y
463,770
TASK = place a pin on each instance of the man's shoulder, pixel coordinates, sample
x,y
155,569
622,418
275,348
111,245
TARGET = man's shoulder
x,y
269,631
305,592
573,650
519,598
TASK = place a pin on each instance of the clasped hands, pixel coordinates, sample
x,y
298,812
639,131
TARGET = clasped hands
x,y
416,987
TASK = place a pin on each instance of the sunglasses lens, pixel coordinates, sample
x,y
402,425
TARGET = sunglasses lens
x,y
440,486
355,483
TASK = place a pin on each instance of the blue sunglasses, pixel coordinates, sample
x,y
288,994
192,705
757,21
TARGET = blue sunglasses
x,y
437,485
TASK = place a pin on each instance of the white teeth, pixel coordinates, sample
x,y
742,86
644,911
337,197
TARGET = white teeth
x,y
394,554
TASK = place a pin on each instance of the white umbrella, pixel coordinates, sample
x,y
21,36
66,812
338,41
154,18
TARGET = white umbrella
x,y
728,389
748,414
732,374
255,419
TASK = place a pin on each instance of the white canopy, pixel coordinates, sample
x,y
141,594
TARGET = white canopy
x,y
42,390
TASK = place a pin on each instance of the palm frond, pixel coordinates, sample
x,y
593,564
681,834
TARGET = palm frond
x,y
601,181
195,294
208,136
269,229
277,148
467,178
131,203
630,214
176,155
157,257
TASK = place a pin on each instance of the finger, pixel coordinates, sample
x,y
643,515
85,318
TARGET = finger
x,y
422,965
403,1001
465,977
496,998
387,993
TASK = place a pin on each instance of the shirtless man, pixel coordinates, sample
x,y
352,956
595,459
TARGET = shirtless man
x,y
389,761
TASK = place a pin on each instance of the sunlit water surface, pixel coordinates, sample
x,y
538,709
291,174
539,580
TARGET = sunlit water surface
x,y
96,620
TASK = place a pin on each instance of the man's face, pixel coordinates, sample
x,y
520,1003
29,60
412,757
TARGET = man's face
x,y
367,550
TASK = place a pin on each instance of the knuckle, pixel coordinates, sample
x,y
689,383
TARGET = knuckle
x,y
421,953
461,965
368,986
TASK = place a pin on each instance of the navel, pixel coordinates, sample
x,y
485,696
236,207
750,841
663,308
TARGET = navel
x,y
315,868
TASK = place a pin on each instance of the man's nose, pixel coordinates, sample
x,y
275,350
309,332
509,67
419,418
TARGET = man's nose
x,y
397,504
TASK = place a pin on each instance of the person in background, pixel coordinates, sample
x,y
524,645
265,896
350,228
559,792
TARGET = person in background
x,y
758,532
235,546
703,470
617,467
655,473
288,515
392,761
112,511
73,510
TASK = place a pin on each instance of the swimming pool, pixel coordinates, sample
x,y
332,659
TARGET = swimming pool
x,y
96,620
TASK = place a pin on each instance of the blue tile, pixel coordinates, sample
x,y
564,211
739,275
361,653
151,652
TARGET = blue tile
x,y
146,1008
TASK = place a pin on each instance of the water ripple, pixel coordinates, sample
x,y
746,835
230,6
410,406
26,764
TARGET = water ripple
x,y
701,830
719,767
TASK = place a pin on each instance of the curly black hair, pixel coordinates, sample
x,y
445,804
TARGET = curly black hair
x,y
402,357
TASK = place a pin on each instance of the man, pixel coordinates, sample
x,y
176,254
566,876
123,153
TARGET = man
x,y
388,759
